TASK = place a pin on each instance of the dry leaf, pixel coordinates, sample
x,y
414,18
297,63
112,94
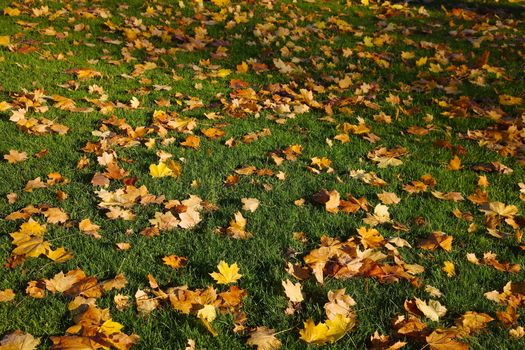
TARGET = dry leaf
x,y
250,204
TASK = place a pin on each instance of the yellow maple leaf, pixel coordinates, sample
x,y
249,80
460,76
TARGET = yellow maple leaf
x,y
176,168
5,40
455,163
207,314
175,261
329,331
59,255
6,295
314,334
242,68
160,170
33,247
338,327
109,327
221,73
12,12
221,3
422,61
449,268
32,227
507,100
321,163
370,238
227,273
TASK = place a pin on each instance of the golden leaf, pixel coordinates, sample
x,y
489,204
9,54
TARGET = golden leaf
x,y
227,273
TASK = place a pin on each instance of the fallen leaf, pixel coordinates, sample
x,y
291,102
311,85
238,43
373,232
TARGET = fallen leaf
x,y
293,291
250,204
227,273
264,339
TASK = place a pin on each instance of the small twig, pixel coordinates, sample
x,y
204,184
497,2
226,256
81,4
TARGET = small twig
x,y
285,330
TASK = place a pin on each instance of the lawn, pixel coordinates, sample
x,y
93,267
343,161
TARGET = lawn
x,y
271,174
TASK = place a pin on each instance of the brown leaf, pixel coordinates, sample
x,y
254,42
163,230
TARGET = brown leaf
x,y
264,339
14,156
19,340
175,261
444,340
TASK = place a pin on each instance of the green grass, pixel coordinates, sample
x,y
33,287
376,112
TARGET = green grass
x,y
262,258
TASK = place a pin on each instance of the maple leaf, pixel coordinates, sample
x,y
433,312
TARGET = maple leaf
x,y
19,340
237,228
370,238
450,196
448,267
433,309
264,339
444,340
250,204
321,163
62,282
507,100
338,327
30,246
331,200
14,156
433,291
227,273
121,301
36,183
32,227
59,255
339,303
160,170
454,164
314,334
175,261
10,11
293,291
499,208
388,198
165,221
55,215
474,321
213,133
437,239
330,331
189,219
5,40
89,228
6,295
517,333
118,283
207,314
191,141
109,327
380,216
145,305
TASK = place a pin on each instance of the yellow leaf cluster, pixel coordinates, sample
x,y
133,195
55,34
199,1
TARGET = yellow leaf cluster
x,y
326,332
